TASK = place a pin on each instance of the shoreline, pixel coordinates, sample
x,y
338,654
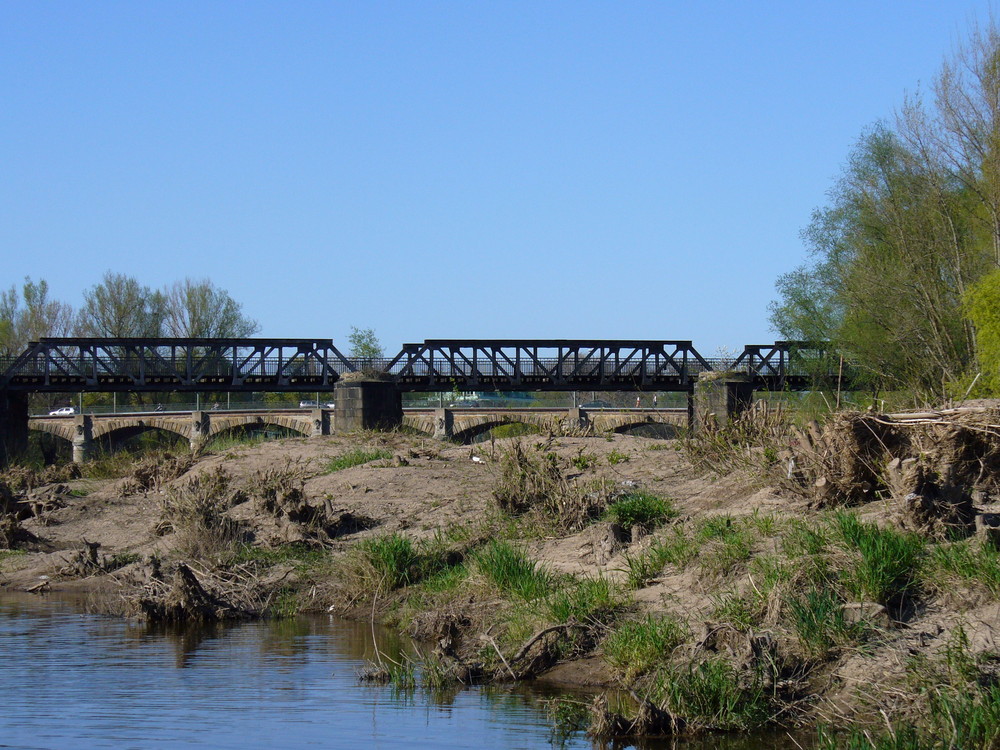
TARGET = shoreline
x,y
745,590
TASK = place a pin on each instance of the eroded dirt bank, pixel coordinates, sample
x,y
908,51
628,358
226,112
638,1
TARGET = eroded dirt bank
x,y
813,582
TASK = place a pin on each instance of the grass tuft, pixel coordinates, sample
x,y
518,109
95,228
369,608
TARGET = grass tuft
x,y
636,647
888,560
512,571
641,508
356,457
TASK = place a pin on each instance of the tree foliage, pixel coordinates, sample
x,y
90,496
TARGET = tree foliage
x,y
982,305
120,307
199,309
29,314
912,224
365,344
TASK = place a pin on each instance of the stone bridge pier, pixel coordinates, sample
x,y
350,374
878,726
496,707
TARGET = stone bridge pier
x,y
718,397
13,426
366,405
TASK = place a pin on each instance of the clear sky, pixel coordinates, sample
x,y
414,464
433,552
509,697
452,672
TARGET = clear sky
x,y
447,169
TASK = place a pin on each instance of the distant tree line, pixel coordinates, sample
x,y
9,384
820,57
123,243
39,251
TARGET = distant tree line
x,y
119,306
903,273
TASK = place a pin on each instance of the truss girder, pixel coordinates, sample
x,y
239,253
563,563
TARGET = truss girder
x,y
90,364
72,364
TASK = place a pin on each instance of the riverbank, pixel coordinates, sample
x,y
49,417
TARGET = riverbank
x,y
718,600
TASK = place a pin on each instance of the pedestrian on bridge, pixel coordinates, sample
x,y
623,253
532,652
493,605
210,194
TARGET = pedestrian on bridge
x,y
637,402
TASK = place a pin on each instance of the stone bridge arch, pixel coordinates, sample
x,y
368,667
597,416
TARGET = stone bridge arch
x,y
60,429
626,421
293,423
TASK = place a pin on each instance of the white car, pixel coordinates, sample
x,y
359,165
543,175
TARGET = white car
x,y
63,411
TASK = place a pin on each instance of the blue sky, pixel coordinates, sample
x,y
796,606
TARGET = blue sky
x,y
447,169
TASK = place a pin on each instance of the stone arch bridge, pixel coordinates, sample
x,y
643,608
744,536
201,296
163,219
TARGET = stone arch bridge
x,y
449,424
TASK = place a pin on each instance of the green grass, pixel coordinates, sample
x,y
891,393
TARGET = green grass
x,y
956,719
616,457
742,611
974,563
642,508
712,695
803,540
817,616
888,560
356,457
731,544
591,601
8,553
637,646
393,558
511,571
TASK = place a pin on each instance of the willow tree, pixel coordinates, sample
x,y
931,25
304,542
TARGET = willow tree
x,y
913,223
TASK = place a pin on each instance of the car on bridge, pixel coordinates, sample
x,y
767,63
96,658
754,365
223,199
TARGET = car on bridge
x,y
63,411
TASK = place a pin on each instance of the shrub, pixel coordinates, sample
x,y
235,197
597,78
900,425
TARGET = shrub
x,y
523,483
196,511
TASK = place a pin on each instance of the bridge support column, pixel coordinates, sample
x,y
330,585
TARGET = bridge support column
x,y
718,397
200,427
83,438
366,405
444,424
578,418
13,426
320,422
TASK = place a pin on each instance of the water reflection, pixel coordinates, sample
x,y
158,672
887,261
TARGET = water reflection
x,y
81,680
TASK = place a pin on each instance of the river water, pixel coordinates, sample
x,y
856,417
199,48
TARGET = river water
x,y
77,680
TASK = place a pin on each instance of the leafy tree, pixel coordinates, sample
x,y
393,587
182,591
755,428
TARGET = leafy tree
x,y
199,309
29,315
120,307
913,223
365,344
982,304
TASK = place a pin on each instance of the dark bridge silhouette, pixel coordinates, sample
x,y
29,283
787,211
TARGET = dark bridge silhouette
x,y
304,365
367,391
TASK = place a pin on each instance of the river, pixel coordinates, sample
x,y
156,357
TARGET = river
x,y
78,680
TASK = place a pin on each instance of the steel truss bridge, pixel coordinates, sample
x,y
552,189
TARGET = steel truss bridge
x,y
308,365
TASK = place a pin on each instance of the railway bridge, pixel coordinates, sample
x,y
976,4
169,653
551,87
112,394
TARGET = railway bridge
x,y
367,392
